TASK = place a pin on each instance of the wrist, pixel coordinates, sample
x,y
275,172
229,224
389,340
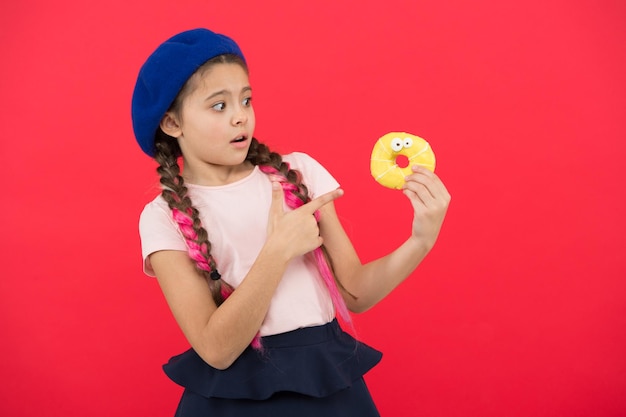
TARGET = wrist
x,y
419,245
275,252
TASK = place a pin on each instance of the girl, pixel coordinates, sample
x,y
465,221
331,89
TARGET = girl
x,y
242,240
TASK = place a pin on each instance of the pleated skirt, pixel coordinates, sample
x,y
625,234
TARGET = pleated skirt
x,y
314,371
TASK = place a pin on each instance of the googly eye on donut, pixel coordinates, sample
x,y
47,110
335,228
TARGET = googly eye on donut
x,y
387,165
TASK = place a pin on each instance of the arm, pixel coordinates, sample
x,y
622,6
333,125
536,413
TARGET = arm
x,y
371,282
220,334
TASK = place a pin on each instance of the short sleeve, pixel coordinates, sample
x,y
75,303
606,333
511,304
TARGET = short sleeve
x,y
158,231
317,179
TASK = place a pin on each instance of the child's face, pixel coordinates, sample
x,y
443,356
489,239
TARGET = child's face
x,y
217,119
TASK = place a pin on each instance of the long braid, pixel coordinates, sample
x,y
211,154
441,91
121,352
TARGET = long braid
x,y
296,194
175,193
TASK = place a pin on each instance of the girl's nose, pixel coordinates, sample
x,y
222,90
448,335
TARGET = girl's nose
x,y
240,117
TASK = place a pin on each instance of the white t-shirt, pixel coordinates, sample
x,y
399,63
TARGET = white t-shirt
x,y
235,216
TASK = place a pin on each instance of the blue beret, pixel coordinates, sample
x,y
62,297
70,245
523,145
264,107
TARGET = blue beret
x,y
165,72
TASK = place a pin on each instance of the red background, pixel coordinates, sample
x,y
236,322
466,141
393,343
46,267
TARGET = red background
x,y
520,310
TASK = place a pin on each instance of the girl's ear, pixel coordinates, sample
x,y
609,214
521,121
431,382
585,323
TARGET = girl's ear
x,y
170,126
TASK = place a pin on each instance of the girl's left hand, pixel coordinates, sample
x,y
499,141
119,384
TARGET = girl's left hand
x,y
430,200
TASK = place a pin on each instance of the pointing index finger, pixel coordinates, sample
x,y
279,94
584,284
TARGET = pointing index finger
x,y
318,202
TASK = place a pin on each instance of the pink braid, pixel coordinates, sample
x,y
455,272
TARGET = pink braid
x,y
196,252
199,254
294,202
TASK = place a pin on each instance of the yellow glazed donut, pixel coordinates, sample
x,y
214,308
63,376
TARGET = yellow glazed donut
x,y
384,166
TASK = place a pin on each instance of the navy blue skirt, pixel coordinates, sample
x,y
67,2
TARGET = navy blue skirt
x,y
306,372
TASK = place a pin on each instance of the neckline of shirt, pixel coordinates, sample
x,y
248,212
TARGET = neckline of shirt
x,y
247,178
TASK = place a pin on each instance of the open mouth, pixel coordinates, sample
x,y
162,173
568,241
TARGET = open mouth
x,y
239,139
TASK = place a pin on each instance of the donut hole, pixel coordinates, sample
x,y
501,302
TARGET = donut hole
x,y
402,161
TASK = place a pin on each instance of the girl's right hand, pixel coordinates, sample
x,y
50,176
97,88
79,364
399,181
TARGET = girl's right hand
x,y
296,231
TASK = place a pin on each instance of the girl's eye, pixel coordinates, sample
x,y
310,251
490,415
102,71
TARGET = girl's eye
x,y
219,106
247,102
